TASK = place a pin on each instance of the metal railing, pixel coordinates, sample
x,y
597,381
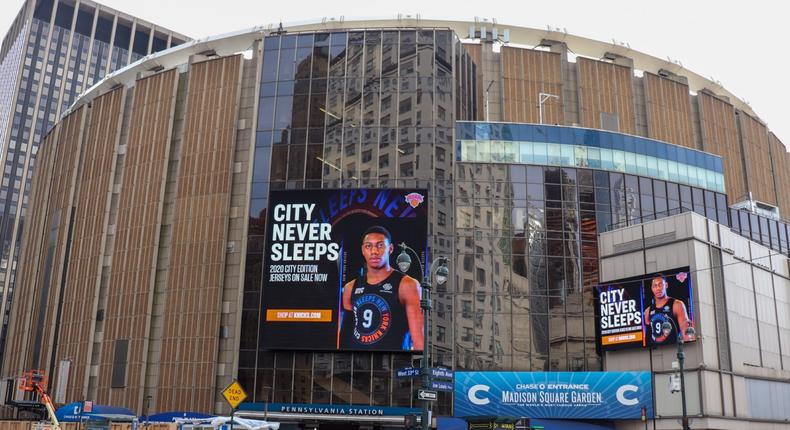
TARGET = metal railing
x,y
634,220
778,242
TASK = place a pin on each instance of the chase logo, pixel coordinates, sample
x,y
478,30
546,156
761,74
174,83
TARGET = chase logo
x,y
625,400
473,396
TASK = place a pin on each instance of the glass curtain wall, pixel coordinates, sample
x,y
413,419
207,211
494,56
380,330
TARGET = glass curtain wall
x,y
14,54
581,147
773,233
78,57
348,109
23,127
527,257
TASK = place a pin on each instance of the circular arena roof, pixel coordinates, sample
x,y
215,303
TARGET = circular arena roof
x,y
242,40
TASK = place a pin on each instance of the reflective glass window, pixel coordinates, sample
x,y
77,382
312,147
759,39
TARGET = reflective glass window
x,y
270,61
526,153
103,29
773,230
141,37
652,167
303,63
123,36
263,138
568,156
288,42
783,246
735,219
64,15
764,234
43,10
84,24
710,204
699,201
685,198
283,112
287,65
540,153
754,226
745,223
266,113
260,171
284,88
271,43
554,154
584,177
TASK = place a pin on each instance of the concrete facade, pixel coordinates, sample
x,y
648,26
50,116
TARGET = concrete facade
x,y
736,373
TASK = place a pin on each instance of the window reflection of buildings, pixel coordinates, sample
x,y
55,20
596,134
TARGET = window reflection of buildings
x,y
366,116
520,267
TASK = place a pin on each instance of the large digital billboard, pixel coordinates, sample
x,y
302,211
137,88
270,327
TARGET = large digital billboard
x,y
560,395
632,312
330,278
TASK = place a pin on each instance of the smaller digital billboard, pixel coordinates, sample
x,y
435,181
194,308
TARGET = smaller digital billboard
x,y
632,312
330,278
553,395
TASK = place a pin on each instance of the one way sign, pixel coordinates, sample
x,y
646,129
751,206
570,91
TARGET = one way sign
x,y
429,395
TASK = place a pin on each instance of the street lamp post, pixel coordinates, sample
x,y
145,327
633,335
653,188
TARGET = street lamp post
x,y
438,268
269,399
146,406
667,327
543,98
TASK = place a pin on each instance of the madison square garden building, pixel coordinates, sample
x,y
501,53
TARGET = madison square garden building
x,y
547,167
53,51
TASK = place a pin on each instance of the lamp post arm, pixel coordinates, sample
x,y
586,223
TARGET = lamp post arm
x,y
437,262
407,248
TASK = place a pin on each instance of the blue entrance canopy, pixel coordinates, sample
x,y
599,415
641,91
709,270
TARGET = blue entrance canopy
x,y
170,417
72,413
572,425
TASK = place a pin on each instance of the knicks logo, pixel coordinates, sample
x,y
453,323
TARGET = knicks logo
x,y
372,318
414,199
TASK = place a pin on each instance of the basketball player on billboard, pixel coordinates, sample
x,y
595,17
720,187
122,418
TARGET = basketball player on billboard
x,y
664,308
384,303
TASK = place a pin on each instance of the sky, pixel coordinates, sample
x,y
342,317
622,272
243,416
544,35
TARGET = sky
x,y
737,43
